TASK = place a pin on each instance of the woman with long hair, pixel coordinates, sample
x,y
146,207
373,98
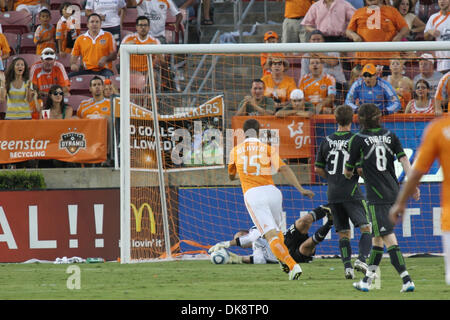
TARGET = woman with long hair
x,y
422,102
18,91
55,103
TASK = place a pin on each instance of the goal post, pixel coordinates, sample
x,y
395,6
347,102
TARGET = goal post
x,y
176,199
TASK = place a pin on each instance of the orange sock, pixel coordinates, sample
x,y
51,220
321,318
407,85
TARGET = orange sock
x,y
280,251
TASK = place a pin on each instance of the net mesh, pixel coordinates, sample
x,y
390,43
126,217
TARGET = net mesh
x,y
198,97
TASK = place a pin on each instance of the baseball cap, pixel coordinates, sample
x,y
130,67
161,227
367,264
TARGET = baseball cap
x,y
369,68
427,56
48,53
297,94
270,34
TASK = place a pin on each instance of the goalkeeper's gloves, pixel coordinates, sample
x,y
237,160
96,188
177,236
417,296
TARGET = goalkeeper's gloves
x,y
220,245
234,258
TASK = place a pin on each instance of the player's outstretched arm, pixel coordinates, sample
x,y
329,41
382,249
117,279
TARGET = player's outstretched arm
x,y
407,168
289,175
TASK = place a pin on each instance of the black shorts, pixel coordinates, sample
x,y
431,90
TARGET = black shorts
x,y
355,211
293,241
379,216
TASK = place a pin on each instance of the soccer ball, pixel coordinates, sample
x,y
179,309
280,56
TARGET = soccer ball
x,y
220,256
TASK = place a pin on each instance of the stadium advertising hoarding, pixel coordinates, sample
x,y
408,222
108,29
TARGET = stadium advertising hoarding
x,y
70,140
52,224
419,233
188,140
147,232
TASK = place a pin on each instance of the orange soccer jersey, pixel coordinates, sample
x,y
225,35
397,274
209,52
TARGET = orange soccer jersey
x,y
316,90
92,107
443,89
296,8
44,32
255,162
44,80
4,45
436,145
62,29
91,50
138,62
27,2
373,29
281,90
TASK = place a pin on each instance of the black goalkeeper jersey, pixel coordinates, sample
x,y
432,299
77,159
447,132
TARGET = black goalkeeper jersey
x,y
331,157
377,149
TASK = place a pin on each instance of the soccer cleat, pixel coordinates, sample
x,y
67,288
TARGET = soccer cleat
x,y
361,266
349,273
408,287
283,266
327,213
361,286
295,273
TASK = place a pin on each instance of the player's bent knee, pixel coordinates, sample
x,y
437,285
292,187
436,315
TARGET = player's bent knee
x,y
303,224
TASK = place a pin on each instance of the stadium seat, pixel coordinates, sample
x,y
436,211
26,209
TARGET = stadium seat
x,y
65,61
79,85
129,21
56,15
13,41
30,58
115,80
27,44
55,4
171,35
124,33
75,100
18,22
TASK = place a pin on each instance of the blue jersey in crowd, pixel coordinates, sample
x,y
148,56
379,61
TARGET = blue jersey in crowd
x,y
382,95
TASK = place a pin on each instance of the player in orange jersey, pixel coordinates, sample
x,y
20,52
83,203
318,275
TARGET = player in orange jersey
x,y
442,95
255,161
435,145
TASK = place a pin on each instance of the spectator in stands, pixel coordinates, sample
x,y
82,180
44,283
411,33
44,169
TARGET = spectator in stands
x,y
141,36
438,29
17,91
425,8
297,106
277,84
318,87
66,30
256,104
331,65
49,72
331,17
442,102
156,11
397,71
269,37
363,27
373,89
294,13
31,6
5,49
405,92
428,72
97,106
422,102
355,74
96,55
111,13
44,36
110,90
415,25
55,103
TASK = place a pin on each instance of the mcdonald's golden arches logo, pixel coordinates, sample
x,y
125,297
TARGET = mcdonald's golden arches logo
x,y
138,217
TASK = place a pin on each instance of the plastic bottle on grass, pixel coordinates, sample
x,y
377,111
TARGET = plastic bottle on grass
x,y
95,260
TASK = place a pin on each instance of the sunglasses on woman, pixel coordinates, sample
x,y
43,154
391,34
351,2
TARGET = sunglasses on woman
x,y
58,93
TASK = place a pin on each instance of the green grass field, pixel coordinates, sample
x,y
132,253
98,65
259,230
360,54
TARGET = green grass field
x,y
323,279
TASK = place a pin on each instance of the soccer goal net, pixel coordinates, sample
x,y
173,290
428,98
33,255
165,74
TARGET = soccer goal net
x,y
181,110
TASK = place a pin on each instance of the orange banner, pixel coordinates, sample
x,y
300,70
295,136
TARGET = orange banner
x,y
77,140
295,133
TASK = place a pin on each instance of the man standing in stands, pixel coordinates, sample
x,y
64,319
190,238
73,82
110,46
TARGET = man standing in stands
x,y
294,12
96,48
48,72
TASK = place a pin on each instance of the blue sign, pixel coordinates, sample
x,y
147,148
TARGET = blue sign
x,y
210,215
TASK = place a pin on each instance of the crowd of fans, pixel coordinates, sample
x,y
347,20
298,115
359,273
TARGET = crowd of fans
x,y
85,38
